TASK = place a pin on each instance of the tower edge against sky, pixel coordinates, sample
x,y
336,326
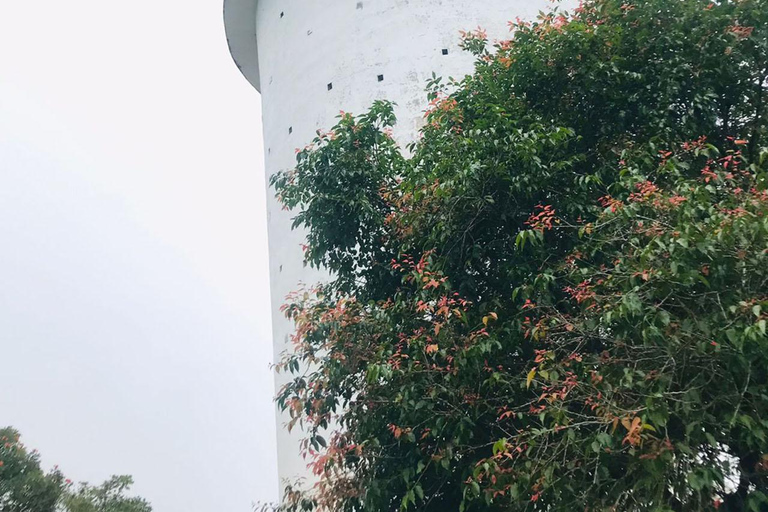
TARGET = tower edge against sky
x,y
312,58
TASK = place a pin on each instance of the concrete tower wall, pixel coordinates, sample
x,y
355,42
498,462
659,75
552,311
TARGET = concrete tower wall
x,y
317,57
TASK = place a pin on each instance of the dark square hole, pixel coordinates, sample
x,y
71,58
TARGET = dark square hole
x,y
282,14
445,51
290,129
381,78
330,86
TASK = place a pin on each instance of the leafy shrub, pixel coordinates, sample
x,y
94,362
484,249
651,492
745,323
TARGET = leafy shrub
x,y
558,299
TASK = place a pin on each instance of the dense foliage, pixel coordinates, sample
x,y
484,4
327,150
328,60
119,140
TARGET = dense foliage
x,y
25,487
558,299
107,497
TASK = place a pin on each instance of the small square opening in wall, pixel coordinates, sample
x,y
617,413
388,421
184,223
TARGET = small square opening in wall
x,y
380,78
282,13
290,129
330,86
445,51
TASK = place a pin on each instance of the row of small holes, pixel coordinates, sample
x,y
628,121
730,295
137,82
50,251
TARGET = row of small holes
x,y
380,78
359,6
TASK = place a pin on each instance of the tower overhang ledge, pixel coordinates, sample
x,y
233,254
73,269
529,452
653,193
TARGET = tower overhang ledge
x,y
240,26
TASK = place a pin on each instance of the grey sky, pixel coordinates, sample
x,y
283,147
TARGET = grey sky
x,y
134,320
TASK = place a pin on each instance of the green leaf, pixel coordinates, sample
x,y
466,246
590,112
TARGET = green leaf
x,y
499,446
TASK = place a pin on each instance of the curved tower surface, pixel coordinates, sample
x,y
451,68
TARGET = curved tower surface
x,y
312,58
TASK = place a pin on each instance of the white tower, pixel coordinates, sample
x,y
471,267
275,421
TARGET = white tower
x,y
312,58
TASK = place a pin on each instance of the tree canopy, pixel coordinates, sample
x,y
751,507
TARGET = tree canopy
x,y
110,496
556,299
25,487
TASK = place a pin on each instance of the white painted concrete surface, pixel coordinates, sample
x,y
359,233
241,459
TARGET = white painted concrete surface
x,y
291,50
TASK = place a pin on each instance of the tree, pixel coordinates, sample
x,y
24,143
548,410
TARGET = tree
x,y
557,300
24,487
108,497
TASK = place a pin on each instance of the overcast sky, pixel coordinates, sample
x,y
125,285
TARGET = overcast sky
x,y
134,320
